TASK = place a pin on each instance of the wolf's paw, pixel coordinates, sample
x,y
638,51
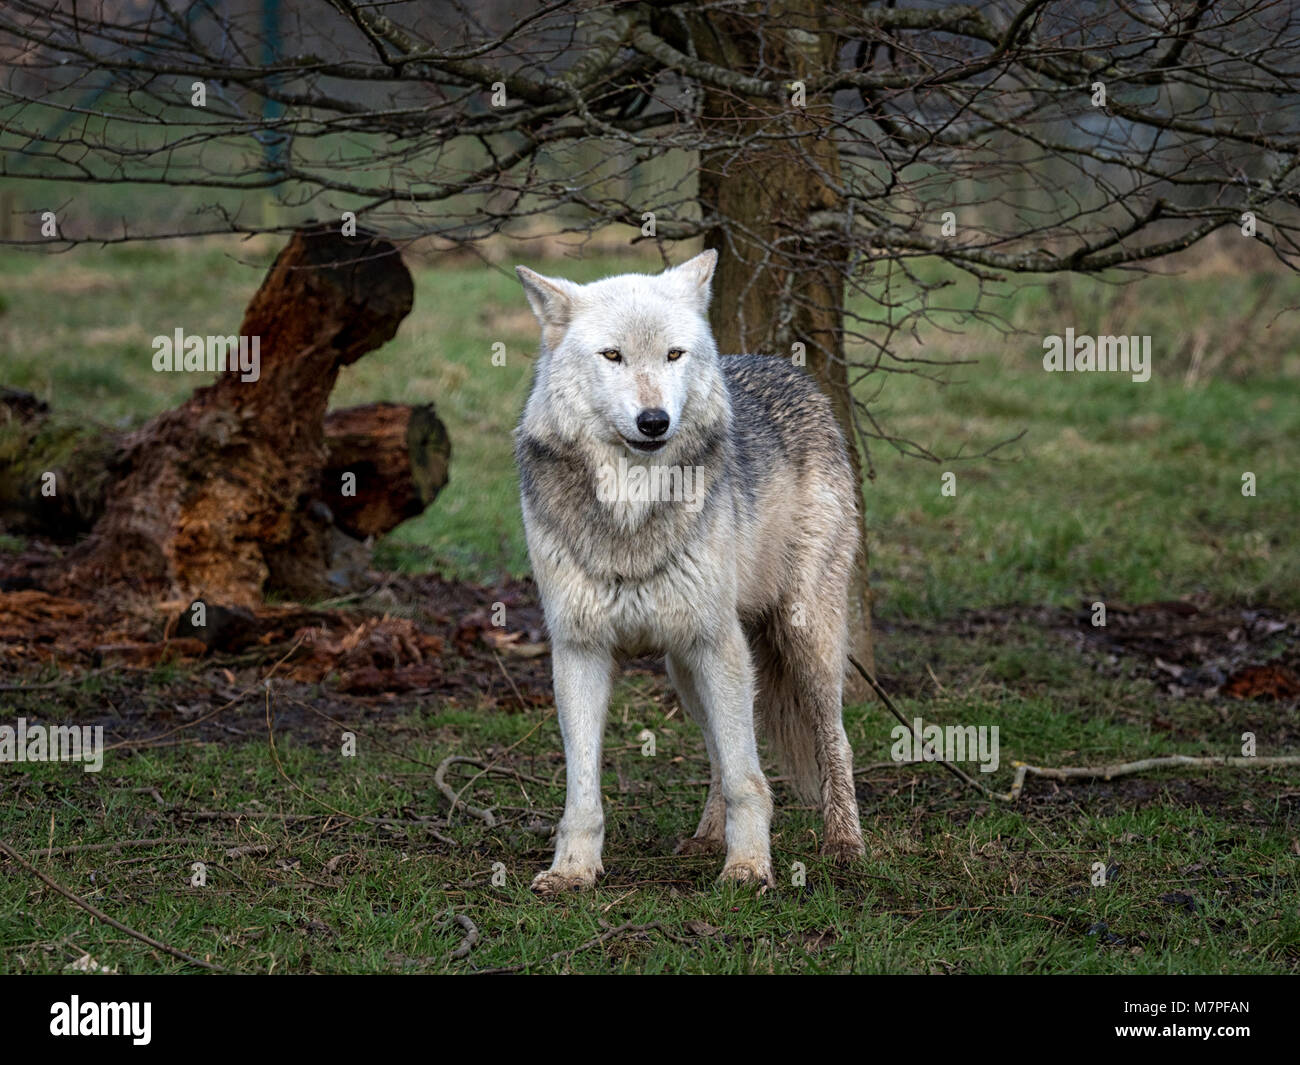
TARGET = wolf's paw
x,y
843,851
553,883
700,845
747,873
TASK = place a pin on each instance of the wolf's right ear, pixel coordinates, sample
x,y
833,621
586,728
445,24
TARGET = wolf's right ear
x,y
551,298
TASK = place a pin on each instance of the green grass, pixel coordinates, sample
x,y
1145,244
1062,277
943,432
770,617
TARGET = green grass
x,y
1201,880
1118,491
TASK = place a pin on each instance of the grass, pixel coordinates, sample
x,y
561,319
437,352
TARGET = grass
x,y
1202,876
1118,491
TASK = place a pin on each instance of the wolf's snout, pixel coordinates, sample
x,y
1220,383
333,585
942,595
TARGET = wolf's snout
x,y
653,422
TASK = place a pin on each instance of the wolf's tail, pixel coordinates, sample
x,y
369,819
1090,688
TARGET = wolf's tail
x,y
786,720
789,735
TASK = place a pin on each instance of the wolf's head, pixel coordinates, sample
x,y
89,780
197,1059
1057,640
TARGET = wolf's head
x,y
627,363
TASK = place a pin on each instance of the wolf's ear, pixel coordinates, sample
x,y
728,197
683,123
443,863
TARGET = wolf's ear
x,y
551,298
695,275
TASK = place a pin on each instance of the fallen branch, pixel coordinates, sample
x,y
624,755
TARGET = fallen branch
x,y
1106,772
99,914
88,848
453,797
956,771
1127,769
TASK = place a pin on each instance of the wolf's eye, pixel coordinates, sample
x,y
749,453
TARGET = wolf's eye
x,y
612,354
675,353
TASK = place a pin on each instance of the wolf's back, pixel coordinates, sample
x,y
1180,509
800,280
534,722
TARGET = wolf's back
x,y
780,416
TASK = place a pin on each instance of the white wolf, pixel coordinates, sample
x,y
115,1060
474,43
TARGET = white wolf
x,y
743,587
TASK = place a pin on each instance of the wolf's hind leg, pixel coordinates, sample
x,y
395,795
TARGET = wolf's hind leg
x,y
582,683
800,655
711,834
843,839
815,655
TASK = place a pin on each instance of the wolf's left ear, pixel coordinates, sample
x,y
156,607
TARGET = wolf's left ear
x,y
695,276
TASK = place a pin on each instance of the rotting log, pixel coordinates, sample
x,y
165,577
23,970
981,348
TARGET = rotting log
x,y
219,498
398,456
387,462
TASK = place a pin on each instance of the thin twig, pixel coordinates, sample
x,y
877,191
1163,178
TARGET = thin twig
x,y
510,680
99,914
1105,772
454,797
956,771
88,848
471,937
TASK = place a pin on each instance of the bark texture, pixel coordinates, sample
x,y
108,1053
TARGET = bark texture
x,y
220,498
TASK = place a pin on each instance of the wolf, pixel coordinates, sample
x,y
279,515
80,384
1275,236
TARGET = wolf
x,y
743,588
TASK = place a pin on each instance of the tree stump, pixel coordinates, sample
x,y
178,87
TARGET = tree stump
x,y
398,456
219,498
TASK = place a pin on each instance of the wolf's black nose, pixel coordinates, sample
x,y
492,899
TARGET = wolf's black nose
x,y
653,422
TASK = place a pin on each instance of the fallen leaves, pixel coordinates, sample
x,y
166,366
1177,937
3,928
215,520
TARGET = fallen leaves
x,y
1262,682
379,654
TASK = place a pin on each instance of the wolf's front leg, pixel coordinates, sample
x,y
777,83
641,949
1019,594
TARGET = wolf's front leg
x,y
582,682
724,679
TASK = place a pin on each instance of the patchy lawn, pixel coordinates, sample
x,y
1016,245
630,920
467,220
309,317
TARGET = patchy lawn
x,y
320,858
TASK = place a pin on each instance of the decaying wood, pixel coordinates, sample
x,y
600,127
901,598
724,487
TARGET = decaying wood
x,y
398,454
55,470
220,498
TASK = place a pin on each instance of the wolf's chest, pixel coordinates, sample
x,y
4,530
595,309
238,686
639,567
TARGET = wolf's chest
x,y
592,596
667,612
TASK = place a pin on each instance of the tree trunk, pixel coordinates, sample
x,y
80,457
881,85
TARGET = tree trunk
x,y
220,498
775,288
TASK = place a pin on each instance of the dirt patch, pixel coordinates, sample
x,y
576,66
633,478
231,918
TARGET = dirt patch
x,y
1188,649
1184,648
410,641
417,637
